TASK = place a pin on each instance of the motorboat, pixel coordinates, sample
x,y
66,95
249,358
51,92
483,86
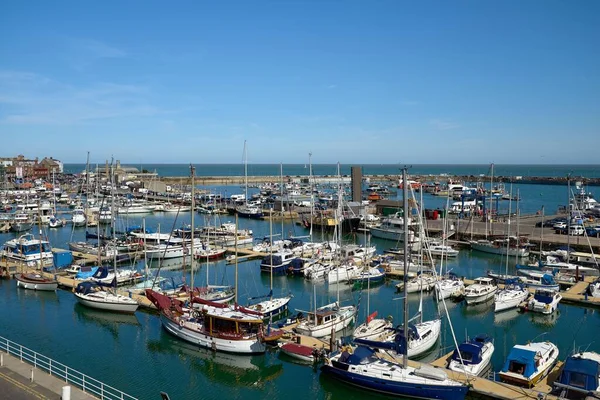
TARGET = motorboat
x,y
544,301
473,356
480,291
29,251
451,286
324,320
527,364
580,375
511,296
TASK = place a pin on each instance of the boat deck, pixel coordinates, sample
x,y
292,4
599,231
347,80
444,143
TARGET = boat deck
x,y
500,390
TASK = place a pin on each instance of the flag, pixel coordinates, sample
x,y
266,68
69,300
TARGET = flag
x,y
371,317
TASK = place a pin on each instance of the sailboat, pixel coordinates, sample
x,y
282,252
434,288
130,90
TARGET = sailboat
x,y
213,293
271,306
514,293
248,210
240,330
448,285
372,328
330,318
365,366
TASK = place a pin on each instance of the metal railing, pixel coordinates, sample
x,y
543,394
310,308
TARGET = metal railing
x,y
65,373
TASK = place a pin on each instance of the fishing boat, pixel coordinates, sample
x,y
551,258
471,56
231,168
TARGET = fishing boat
x,y
36,281
580,375
365,367
473,356
481,291
239,330
511,296
527,364
544,301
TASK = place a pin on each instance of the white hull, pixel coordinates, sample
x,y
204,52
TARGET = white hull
x,y
186,332
500,250
447,288
422,345
475,369
505,300
373,330
108,302
37,286
346,317
342,273
481,298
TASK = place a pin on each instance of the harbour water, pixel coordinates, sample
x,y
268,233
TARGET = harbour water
x,y
134,354
173,170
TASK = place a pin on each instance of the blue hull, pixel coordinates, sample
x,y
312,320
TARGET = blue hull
x,y
251,215
398,388
277,269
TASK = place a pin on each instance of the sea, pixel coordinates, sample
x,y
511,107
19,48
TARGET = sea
x,y
505,170
133,353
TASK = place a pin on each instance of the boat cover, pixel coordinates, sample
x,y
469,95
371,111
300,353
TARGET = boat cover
x,y
521,356
581,373
469,351
360,355
544,296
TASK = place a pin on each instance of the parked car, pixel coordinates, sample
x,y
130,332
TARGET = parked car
x,y
576,230
560,225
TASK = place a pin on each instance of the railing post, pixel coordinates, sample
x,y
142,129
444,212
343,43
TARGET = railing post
x,y
50,366
21,353
35,360
66,374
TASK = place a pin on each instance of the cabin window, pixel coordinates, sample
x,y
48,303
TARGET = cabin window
x,y
577,379
466,356
517,367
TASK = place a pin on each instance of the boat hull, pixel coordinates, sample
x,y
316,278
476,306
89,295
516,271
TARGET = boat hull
x,y
420,391
249,346
32,285
107,306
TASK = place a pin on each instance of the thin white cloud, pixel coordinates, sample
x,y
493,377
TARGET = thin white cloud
x,y
28,98
443,125
331,86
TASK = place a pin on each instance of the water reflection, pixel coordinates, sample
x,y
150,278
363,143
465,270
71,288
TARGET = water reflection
x,y
543,320
108,320
229,369
504,317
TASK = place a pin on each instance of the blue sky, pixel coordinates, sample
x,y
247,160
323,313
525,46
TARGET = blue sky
x,y
351,81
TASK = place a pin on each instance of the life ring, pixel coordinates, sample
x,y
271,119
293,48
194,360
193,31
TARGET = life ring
x,y
181,322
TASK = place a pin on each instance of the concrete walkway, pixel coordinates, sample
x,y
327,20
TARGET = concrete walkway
x,y
15,382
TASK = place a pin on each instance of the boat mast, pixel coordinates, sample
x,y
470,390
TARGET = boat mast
x,y
491,201
311,194
245,173
281,193
405,277
192,172
236,259
518,212
508,234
